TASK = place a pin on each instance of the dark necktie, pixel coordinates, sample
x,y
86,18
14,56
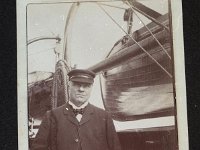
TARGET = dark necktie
x,y
78,111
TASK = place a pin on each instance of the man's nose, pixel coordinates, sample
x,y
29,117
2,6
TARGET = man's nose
x,y
81,88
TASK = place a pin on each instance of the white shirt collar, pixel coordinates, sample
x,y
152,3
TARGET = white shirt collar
x,y
75,107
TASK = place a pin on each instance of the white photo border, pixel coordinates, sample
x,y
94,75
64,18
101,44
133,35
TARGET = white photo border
x,y
181,105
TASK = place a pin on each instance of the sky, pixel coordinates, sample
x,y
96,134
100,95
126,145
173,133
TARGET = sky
x,y
92,34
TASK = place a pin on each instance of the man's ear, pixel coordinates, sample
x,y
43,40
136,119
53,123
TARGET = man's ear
x,y
68,84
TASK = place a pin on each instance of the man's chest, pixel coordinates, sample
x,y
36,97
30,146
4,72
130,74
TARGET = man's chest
x,y
87,125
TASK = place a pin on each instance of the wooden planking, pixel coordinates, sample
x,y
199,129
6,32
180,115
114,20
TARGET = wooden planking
x,y
141,60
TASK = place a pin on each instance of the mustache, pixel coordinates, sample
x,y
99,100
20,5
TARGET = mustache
x,y
80,95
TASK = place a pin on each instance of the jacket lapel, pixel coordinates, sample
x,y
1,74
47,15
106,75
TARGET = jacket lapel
x,y
87,114
70,115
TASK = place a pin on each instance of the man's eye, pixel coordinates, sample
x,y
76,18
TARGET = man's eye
x,y
79,85
83,85
87,85
76,84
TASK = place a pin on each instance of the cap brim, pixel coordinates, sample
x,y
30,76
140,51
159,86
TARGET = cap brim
x,y
82,80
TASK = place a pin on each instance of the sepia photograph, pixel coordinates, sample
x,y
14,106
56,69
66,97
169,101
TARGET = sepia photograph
x,y
101,75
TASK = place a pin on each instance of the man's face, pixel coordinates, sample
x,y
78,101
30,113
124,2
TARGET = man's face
x,y
79,92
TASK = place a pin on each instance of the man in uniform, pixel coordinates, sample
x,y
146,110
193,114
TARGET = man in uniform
x,y
77,125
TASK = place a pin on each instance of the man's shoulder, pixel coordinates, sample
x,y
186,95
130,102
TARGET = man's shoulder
x,y
97,109
59,109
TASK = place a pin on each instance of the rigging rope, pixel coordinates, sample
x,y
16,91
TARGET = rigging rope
x,y
136,42
149,31
113,6
151,18
63,68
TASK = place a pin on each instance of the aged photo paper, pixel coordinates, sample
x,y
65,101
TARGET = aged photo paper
x,y
135,48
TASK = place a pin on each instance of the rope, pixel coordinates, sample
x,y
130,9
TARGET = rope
x,y
151,18
136,42
61,67
54,92
149,31
65,69
113,6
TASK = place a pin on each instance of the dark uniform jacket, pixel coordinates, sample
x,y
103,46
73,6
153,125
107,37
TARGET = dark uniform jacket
x,y
60,130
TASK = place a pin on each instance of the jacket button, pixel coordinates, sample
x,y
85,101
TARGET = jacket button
x,y
76,140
